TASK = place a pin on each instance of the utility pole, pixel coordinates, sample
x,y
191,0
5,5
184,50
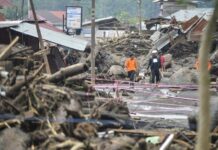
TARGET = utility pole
x,y
140,15
93,44
40,36
161,8
37,25
28,9
22,8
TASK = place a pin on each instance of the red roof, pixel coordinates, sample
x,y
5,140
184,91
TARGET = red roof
x,y
186,25
198,30
2,17
52,17
58,14
200,26
6,3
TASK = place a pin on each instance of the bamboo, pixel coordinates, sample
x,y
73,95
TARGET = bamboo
x,y
7,50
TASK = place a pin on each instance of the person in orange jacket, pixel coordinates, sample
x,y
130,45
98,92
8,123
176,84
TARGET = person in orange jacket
x,y
131,66
197,64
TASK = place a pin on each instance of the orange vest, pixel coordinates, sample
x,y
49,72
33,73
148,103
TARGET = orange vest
x,y
131,64
197,65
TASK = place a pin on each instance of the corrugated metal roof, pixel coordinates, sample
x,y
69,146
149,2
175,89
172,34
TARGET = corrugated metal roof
x,y
186,25
100,20
52,36
200,26
186,14
7,24
165,39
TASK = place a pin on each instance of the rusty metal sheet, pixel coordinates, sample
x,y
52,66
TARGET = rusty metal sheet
x,y
188,24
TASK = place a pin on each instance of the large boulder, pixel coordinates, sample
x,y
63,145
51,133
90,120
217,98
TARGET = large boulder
x,y
13,138
104,60
193,117
184,76
117,70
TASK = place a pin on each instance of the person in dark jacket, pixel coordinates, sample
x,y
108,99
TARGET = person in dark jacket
x,y
154,64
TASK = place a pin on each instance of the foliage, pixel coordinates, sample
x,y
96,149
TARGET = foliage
x,y
104,8
10,12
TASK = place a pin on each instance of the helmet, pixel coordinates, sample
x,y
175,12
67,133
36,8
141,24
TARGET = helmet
x,y
154,52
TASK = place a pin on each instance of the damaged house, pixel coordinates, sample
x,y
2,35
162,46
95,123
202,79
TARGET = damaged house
x,y
188,24
168,7
28,38
108,27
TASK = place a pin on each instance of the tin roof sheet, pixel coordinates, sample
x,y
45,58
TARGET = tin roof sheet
x,y
52,36
186,14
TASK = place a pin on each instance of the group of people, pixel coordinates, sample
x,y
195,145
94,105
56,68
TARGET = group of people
x,y
155,63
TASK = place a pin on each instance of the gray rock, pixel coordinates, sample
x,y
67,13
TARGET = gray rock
x,y
193,117
116,70
11,139
184,76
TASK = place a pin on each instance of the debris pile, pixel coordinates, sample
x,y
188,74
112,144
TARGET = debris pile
x,y
48,105
60,110
115,51
51,111
183,49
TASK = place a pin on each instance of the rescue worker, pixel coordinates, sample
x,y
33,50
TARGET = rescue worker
x,y
197,64
154,65
131,66
162,61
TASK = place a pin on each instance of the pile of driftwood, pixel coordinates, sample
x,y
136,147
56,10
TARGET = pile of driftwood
x,y
51,111
114,51
136,43
182,49
61,110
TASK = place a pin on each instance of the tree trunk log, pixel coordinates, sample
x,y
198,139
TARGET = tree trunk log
x,y
16,88
67,72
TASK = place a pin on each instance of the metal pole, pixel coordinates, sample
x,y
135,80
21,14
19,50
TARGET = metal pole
x,y
22,9
28,9
140,14
93,44
161,8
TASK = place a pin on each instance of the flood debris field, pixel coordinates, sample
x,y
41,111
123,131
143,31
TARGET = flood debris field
x,y
150,102
48,104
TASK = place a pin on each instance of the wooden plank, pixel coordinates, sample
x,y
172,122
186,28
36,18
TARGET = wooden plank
x,y
7,50
143,132
183,143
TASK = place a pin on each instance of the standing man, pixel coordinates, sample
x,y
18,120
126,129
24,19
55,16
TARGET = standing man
x,y
131,66
154,65
197,64
162,61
